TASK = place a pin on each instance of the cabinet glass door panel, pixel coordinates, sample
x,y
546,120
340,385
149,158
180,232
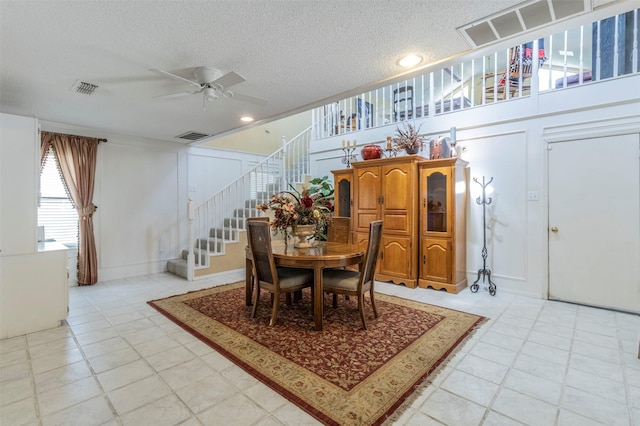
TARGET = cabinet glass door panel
x,y
437,202
344,198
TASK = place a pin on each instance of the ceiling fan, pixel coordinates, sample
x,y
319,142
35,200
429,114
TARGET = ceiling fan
x,y
212,84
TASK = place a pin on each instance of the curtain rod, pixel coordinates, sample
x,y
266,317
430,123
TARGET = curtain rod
x,y
78,136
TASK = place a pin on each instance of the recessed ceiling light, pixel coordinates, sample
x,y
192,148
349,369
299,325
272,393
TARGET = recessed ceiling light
x,y
410,61
246,119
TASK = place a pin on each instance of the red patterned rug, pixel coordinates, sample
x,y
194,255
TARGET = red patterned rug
x,y
342,375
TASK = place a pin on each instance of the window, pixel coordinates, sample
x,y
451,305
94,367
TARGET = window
x,y
56,212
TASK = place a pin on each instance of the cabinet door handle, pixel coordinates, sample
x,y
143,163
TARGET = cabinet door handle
x,y
424,258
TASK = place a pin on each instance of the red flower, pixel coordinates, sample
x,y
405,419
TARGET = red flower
x,y
306,201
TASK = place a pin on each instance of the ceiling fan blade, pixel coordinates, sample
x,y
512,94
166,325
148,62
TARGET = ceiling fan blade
x,y
177,77
247,98
228,80
175,95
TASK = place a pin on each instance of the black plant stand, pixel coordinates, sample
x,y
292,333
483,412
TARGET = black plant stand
x,y
484,201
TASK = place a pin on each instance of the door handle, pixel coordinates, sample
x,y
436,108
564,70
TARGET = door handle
x,y
554,229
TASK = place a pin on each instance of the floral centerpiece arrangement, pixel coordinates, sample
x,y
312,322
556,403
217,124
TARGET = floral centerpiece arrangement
x,y
312,206
408,139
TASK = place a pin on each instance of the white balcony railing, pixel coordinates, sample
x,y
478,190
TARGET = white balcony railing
x,y
604,49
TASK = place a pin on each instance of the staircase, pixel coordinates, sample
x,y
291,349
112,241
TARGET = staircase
x,y
217,225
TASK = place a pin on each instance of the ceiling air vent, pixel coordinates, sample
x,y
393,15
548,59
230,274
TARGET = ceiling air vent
x,y
192,136
83,87
519,19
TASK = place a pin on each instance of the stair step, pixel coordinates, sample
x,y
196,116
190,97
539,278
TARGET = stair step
x,y
201,256
246,212
215,245
178,267
224,234
233,222
253,203
265,196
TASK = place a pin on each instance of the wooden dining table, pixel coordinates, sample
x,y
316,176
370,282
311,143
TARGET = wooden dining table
x,y
322,255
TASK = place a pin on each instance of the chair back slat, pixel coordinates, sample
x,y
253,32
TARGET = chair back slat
x,y
339,230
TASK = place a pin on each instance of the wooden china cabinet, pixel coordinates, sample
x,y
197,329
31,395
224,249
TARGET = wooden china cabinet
x,y
387,189
443,186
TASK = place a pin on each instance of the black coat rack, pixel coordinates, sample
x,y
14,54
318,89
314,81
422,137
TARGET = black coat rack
x,y
484,202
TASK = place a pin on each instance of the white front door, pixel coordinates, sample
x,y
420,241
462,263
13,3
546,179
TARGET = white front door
x,y
594,222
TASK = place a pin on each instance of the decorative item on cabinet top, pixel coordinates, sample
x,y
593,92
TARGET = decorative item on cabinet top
x,y
348,149
371,152
443,147
408,139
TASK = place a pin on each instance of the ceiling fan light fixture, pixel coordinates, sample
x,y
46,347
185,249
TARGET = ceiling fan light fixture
x,y
210,94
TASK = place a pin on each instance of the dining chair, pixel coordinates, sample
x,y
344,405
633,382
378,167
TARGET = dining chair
x,y
339,230
249,263
276,280
357,283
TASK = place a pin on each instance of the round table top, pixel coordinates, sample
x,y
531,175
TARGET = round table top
x,y
322,250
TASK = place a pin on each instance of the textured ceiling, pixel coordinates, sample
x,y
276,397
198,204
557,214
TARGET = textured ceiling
x,y
294,54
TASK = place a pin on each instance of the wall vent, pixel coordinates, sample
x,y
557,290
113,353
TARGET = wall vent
x,y
519,19
193,136
83,87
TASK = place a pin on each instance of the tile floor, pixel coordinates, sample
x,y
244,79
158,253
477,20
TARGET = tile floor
x,y
119,362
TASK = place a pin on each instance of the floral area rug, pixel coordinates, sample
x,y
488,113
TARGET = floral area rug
x,y
342,375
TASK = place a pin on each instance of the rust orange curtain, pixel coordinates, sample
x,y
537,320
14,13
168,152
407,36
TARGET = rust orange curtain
x,y
77,158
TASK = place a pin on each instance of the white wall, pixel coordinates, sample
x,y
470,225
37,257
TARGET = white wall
x,y
142,189
506,142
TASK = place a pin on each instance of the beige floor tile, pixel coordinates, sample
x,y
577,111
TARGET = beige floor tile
x,y
125,375
533,362
93,412
138,394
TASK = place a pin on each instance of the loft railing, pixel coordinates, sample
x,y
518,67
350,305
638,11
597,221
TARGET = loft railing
x,y
604,49
220,218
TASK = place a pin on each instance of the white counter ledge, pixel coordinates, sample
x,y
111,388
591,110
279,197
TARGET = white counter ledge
x,y
51,246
